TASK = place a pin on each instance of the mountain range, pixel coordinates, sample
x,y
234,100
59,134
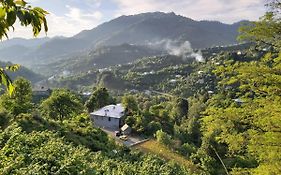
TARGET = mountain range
x,y
139,30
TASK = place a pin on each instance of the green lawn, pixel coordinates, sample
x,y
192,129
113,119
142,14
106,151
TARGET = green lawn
x,y
154,147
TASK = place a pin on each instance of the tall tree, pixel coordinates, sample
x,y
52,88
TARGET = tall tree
x,y
130,104
180,109
268,29
98,99
21,99
61,104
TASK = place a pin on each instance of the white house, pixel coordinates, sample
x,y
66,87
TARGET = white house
x,y
109,117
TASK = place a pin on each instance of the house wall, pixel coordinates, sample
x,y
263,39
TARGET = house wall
x,y
106,122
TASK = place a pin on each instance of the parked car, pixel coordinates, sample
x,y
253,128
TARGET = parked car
x,y
124,137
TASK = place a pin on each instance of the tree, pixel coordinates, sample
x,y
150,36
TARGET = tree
x,y
130,104
21,99
61,104
267,30
180,109
98,99
163,137
10,11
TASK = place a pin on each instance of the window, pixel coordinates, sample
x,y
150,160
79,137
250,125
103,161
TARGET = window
x,y
109,119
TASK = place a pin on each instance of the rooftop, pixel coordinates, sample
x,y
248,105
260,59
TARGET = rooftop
x,y
114,111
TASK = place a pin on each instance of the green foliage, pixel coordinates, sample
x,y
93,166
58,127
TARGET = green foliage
x,y
246,135
60,148
98,99
20,101
41,153
61,104
11,10
180,110
187,149
267,29
163,137
5,79
130,104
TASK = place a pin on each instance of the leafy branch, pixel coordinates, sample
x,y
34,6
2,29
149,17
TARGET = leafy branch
x,y
10,11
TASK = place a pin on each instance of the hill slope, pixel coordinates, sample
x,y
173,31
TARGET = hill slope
x,y
141,29
23,72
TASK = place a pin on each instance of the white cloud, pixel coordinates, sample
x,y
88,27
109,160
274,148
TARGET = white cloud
x,y
74,21
68,20
222,10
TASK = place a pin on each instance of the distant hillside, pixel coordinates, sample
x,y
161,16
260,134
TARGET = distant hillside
x,y
161,73
141,29
19,50
100,57
22,72
23,42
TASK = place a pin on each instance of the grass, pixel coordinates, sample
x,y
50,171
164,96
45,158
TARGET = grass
x,y
156,148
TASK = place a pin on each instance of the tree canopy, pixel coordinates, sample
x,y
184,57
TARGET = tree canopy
x,y
61,104
21,99
268,29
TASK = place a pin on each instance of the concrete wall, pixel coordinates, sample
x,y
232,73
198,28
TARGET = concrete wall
x,y
106,122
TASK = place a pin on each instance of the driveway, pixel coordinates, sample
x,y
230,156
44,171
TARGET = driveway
x,y
132,139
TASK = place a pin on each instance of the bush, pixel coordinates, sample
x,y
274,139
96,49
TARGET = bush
x,y
163,137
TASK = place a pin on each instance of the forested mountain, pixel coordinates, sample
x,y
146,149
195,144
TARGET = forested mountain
x,y
98,58
141,29
22,72
159,73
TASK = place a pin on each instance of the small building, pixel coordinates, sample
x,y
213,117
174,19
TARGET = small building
x,y
126,129
210,92
147,92
109,117
238,101
41,91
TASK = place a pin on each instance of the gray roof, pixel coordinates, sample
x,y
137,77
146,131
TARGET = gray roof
x,y
114,111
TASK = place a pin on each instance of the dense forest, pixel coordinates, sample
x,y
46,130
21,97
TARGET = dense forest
x,y
221,114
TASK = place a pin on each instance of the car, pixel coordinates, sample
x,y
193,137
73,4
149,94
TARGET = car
x,y
117,133
124,137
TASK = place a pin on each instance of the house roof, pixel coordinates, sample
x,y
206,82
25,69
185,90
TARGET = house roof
x,y
114,111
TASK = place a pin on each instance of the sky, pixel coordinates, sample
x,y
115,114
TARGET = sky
x,y
69,17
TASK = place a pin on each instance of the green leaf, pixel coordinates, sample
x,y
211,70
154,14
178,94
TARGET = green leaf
x,y
40,10
45,24
2,13
11,18
13,68
6,81
20,2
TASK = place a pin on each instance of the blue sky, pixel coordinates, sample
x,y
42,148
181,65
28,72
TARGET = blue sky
x,y
69,17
